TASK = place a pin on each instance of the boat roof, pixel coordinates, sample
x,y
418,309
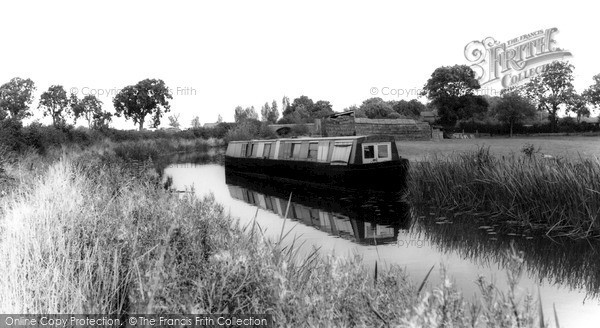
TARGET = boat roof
x,y
312,138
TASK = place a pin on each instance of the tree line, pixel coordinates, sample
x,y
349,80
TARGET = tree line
x,y
452,90
147,98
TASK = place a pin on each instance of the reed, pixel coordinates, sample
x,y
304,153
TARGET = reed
x,y
559,195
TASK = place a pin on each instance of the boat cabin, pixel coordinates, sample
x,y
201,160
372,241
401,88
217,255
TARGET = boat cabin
x,y
329,150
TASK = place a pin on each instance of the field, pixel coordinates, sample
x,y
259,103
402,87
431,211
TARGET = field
x,y
566,147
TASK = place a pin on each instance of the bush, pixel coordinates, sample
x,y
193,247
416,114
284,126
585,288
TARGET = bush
x,y
250,129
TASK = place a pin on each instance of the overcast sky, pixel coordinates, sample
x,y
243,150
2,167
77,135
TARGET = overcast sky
x,y
219,54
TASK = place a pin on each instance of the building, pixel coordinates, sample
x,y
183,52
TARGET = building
x,y
345,124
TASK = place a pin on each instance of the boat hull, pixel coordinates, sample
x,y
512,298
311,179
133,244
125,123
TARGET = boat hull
x,y
390,175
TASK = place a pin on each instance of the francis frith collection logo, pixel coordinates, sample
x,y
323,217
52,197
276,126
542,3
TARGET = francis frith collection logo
x,y
515,61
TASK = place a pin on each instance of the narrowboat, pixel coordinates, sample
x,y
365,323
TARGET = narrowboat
x,y
355,162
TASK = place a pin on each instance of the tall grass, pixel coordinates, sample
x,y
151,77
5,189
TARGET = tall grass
x,y
559,195
92,236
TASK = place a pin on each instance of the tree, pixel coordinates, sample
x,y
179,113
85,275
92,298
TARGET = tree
x,y
219,119
450,88
56,104
242,114
86,108
512,109
578,105
411,108
374,108
592,94
15,98
321,108
147,97
196,122
265,111
101,119
304,110
174,121
274,114
551,89
285,103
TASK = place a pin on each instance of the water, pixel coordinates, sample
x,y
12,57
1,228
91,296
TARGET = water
x,y
383,228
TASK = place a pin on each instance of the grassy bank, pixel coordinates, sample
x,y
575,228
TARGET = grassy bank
x,y
87,234
559,195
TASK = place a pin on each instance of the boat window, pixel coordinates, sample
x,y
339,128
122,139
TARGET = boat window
x,y
323,151
341,153
295,153
382,151
368,152
266,150
313,148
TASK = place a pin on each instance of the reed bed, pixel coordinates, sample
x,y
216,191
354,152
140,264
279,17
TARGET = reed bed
x,y
561,196
91,235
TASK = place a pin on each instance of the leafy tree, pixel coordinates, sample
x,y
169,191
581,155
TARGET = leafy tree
x,y
303,102
450,88
264,111
321,108
196,122
56,105
274,114
269,114
551,89
412,108
578,105
285,103
15,98
374,108
86,108
242,114
592,94
101,120
147,97
512,109
304,110
174,121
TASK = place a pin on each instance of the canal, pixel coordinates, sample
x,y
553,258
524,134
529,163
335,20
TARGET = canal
x,y
384,229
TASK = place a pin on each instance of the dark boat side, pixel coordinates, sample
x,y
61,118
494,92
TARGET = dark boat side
x,y
357,162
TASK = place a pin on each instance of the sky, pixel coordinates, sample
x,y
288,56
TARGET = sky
x,y
217,55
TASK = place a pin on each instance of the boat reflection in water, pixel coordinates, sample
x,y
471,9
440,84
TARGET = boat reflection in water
x,y
368,218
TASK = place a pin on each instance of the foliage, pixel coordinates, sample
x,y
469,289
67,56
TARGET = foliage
x,y
514,188
174,121
94,234
412,108
15,98
56,105
513,109
250,129
592,93
147,97
89,108
450,89
374,108
269,113
304,110
551,89
578,105
196,122
241,114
